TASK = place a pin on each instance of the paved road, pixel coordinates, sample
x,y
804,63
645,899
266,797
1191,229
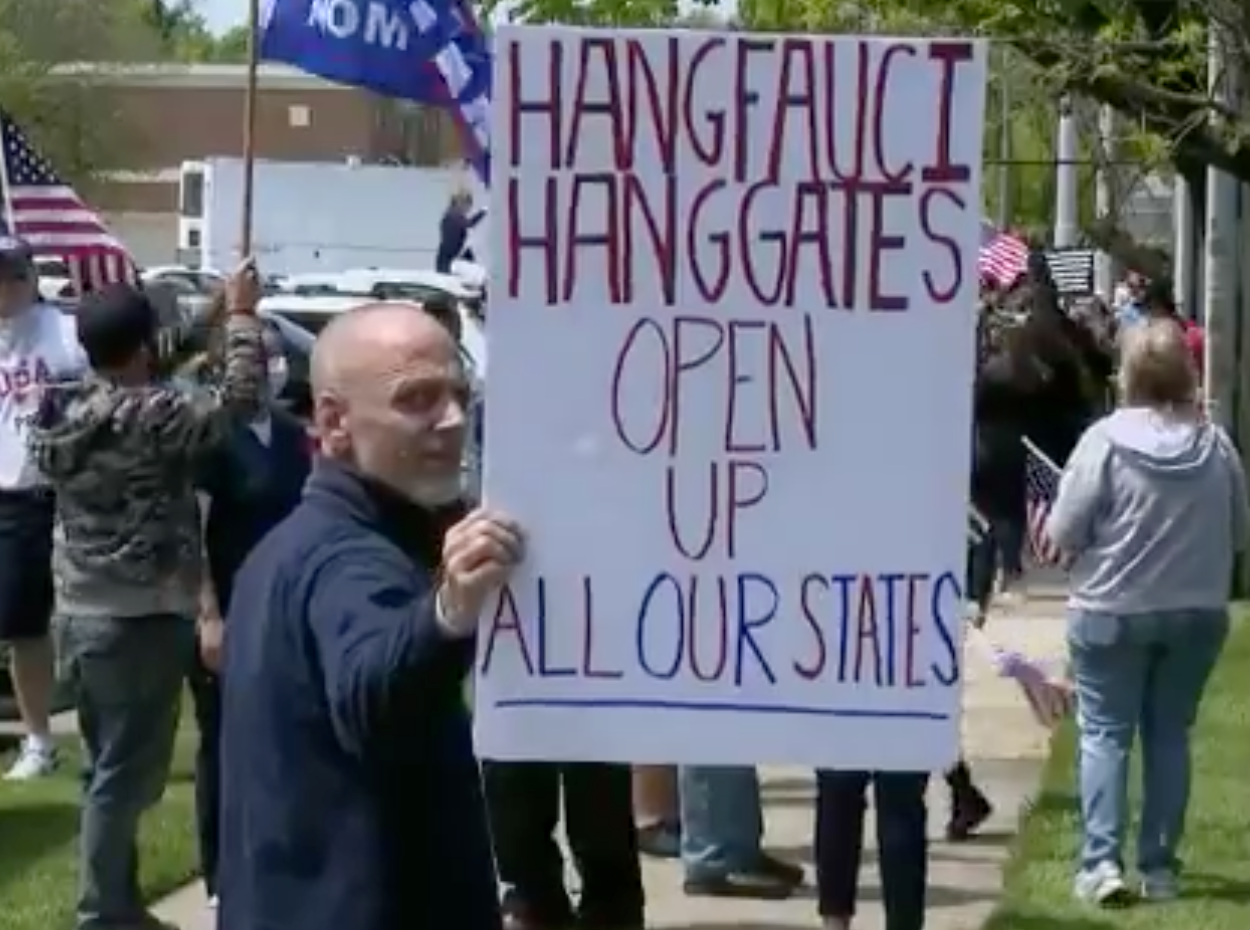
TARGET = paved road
x,y
1005,747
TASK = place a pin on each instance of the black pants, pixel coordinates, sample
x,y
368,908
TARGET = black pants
x,y
524,803
206,696
899,801
1002,546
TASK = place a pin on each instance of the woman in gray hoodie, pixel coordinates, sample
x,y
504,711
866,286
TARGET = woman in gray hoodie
x,y
1151,512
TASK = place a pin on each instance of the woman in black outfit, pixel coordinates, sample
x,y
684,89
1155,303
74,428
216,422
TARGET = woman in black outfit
x,y
1007,392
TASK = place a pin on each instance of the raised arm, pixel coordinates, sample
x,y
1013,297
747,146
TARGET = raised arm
x,y
380,640
197,419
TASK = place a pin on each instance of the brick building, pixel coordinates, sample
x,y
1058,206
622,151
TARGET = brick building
x,y
171,113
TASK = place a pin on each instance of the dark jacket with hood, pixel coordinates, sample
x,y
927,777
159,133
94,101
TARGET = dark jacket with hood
x,y
122,462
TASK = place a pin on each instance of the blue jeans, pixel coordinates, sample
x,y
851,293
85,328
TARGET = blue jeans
x,y
903,848
128,674
1143,673
722,823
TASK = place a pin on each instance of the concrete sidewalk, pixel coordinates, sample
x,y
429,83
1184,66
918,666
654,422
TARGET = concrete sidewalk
x,y
1004,745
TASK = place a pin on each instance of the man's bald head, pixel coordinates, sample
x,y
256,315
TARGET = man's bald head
x,y
390,397
354,342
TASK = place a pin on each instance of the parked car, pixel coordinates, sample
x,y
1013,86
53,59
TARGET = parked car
x,y
387,284
194,290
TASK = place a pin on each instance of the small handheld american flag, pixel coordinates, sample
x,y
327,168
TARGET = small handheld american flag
x,y
1050,697
50,216
1002,257
1041,486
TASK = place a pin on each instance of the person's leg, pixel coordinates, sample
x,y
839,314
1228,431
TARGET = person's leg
x,y
206,698
26,597
969,807
903,846
982,559
1009,538
656,810
599,824
1109,665
839,843
1190,643
129,674
523,799
722,828
32,669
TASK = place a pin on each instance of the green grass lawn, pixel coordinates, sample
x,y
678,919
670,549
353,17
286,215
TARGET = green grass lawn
x,y
1216,881
38,841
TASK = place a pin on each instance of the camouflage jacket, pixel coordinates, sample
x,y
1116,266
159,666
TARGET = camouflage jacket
x,y
121,461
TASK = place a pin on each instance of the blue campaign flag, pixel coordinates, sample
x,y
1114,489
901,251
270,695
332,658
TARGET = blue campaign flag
x,y
428,51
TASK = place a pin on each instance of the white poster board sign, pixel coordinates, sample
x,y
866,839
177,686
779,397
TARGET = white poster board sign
x,y
732,307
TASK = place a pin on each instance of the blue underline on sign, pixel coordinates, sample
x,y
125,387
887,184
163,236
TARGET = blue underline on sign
x,y
720,707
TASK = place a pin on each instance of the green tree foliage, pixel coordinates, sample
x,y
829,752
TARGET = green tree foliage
x,y
44,87
43,84
185,36
231,46
1145,58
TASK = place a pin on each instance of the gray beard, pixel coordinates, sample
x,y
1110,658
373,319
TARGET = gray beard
x,y
439,493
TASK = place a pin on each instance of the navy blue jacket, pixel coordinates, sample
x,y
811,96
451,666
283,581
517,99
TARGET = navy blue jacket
x,y
251,488
453,236
351,799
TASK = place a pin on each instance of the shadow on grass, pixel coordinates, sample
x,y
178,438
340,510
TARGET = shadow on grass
x,y
29,832
1016,920
1215,888
805,923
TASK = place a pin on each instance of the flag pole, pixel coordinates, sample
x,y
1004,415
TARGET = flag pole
x,y
6,195
249,127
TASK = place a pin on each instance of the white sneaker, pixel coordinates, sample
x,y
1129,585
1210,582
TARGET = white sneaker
x,y
1103,885
37,759
212,903
1159,885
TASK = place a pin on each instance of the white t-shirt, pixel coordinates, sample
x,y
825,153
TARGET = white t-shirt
x,y
38,346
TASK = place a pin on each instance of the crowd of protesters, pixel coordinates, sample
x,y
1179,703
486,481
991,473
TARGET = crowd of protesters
x,y
336,784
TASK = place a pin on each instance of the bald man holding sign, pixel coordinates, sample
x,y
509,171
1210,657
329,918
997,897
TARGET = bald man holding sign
x,y
351,796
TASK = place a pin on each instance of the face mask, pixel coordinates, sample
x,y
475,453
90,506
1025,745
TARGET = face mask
x,y
278,376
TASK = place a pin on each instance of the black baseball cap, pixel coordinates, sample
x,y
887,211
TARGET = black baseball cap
x,y
114,323
17,259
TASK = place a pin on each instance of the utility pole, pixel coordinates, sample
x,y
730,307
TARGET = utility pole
x,y
1005,143
1220,306
1106,195
1066,155
1184,262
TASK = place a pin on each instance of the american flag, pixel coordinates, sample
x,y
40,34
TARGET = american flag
x,y
1003,257
1041,484
50,216
1051,697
